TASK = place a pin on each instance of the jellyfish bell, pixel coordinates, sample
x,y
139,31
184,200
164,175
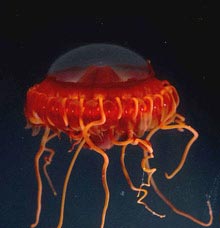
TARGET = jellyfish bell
x,y
92,71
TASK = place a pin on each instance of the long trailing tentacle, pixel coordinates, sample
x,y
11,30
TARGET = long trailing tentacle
x,y
95,148
139,190
180,124
178,211
47,161
41,150
66,181
147,155
104,179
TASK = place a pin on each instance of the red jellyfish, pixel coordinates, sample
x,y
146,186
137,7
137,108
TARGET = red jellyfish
x,y
101,96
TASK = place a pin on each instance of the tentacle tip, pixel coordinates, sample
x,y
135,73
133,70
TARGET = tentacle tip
x,y
156,214
168,176
55,193
162,216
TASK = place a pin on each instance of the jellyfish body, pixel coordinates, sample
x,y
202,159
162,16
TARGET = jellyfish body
x,y
101,96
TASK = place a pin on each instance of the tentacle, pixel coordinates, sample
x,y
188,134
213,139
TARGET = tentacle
x,y
144,191
148,154
181,125
104,178
47,161
66,181
41,150
180,212
99,151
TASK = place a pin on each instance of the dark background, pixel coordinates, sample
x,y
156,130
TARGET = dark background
x,y
178,41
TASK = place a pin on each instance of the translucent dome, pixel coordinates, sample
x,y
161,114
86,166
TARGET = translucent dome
x,y
73,65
